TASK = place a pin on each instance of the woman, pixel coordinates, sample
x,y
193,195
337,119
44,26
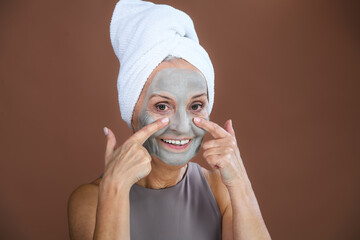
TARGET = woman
x,y
150,189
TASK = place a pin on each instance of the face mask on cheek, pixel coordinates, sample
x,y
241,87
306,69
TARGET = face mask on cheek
x,y
156,147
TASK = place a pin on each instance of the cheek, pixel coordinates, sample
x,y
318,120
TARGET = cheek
x,y
204,114
199,132
148,116
145,119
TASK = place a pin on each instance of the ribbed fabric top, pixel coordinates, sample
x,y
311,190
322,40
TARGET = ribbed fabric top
x,y
187,210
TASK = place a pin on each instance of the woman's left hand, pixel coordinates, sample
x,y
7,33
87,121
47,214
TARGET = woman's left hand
x,y
223,153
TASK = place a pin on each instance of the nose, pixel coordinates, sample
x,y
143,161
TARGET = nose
x,y
180,122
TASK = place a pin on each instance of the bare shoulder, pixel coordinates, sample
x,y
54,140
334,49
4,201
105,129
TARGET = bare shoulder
x,y
217,187
82,205
85,191
85,194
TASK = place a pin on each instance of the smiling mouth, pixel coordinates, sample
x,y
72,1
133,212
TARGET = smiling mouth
x,y
176,142
177,145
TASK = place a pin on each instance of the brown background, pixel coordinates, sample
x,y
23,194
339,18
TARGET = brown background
x,y
287,73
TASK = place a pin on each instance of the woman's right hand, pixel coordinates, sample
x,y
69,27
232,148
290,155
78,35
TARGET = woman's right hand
x,y
127,164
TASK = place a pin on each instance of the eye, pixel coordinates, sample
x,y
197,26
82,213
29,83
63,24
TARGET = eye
x,y
196,106
161,107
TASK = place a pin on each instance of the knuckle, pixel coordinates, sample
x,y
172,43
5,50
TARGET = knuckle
x,y
210,144
206,145
147,166
132,147
141,153
148,128
127,143
221,164
229,150
146,156
213,128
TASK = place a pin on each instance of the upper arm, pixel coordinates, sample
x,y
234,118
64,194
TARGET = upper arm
x,y
82,206
223,200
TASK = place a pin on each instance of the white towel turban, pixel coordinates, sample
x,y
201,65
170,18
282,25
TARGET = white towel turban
x,y
143,34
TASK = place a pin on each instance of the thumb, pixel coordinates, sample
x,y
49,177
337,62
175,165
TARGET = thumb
x,y
110,144
229,128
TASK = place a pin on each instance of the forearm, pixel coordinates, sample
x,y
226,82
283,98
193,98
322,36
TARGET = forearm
x,y
248,223
113,214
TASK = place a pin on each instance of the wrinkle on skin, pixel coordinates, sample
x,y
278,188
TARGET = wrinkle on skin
x,y
178,86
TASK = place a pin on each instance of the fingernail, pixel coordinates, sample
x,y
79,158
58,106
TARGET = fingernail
x,y
230,122
197,120
165,120
106,131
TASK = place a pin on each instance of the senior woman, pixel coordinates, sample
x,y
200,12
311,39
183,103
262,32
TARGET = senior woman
x,y
150,189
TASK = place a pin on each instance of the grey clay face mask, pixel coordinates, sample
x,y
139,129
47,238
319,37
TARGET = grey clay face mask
x,y
180,85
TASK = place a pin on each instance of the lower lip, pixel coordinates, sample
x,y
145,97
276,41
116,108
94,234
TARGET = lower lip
x,y
176,147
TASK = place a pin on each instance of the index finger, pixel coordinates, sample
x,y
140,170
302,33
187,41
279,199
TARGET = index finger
x,y
144,133
215,130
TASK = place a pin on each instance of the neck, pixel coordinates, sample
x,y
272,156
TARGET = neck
x,y
163,175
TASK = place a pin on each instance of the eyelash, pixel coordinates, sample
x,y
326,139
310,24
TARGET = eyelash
x,y
160,104
157,106
197,104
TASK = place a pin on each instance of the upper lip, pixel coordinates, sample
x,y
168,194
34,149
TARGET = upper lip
x,y
176,139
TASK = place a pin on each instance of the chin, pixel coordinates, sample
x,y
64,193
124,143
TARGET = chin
x,y
177,159
174,162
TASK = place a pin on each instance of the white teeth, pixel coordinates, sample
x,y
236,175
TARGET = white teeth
x,y
176,142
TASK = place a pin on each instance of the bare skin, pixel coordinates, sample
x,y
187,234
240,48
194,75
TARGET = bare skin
x,y
100,209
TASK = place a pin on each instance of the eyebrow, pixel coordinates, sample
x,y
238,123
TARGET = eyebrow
x,y
159,95
199,95
156,95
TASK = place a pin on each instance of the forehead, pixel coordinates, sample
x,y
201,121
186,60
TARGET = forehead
x,y
178,82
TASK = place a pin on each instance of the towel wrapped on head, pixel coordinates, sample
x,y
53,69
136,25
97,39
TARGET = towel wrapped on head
x,y
143,34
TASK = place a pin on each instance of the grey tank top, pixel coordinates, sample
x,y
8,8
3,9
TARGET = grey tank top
x,y
185,211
